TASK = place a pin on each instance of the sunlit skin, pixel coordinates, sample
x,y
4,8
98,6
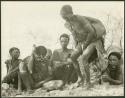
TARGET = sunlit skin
x,y
113,61
12,68
85,30
37,59
15,54
66,16
62,69
64,42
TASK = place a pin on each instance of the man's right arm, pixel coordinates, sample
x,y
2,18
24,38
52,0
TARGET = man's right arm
x,y
6,62
106,78
56,62
69,27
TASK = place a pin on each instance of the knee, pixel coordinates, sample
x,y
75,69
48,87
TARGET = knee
x,y
75,55
22,67
84,59
104,79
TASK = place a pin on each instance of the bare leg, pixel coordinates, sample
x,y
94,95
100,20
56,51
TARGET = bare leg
x,y
19,84
74,58
39,84
85,56
25,76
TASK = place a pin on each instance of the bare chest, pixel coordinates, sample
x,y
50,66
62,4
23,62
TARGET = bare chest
x,y
78,31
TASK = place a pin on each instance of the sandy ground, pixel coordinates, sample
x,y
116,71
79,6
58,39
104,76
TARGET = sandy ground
x,y
97,90
103,90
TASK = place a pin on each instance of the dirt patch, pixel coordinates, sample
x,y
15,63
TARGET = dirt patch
x,y
97,90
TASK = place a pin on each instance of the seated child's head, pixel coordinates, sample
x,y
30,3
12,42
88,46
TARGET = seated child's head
x,y
14,52
114,59
39,53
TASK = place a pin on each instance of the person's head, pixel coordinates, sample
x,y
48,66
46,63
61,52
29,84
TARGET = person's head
x,y
14,52
64,40
66,12
39,53
114,59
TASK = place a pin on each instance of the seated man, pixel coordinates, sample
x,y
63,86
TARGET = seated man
x,y
62,70
113,73
34,68
12,65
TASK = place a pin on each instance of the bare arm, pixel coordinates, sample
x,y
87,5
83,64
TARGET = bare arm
x,y
56,62
117,82
30,64
87,27
69,27
91,34
119,76
6,62
59,63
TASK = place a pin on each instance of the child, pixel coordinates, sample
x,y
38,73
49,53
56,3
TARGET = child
x,y
113,73
12,64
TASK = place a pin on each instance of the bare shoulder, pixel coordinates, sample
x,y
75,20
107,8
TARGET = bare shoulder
x,y
26,59
92,19
7,61
57,51
49,51
79,18
67,25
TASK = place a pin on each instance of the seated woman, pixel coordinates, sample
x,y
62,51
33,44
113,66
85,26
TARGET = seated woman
x,y
12,65
113,74
35,68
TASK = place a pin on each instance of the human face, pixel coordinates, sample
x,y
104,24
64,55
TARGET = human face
x,y
15,54
66,16
64,42
113,61
38,57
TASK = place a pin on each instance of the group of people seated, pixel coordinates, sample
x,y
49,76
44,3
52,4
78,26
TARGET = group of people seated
x,y
43,66
53,70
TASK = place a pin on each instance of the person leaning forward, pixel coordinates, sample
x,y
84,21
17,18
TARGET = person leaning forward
x,y
88,35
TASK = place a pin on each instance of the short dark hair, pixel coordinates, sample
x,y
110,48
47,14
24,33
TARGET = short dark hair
x,y
41,50
12,49
67,8
65,35
117,54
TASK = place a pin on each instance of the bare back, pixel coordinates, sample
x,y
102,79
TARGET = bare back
x,y
77,26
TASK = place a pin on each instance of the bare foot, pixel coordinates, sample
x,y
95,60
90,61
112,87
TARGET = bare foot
x,y
89,86
19,92
78,84
30,91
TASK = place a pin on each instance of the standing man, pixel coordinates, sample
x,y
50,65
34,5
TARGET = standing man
x,y
88,36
